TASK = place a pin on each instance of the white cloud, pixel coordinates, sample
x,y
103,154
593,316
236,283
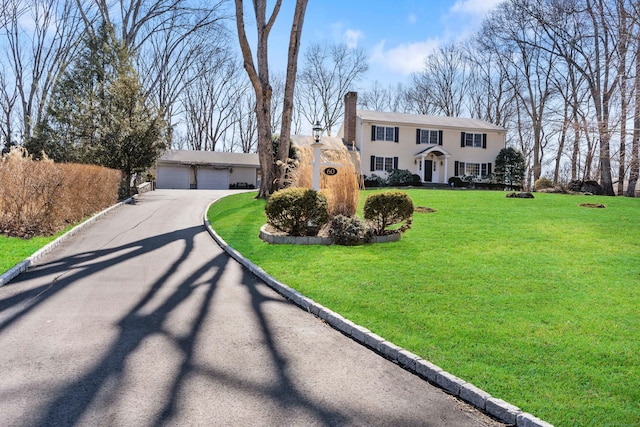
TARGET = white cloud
x,y
352,37
341,34
412,18
474,7
405,58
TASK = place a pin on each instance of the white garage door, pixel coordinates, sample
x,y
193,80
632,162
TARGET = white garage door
x,y
173,177
213,179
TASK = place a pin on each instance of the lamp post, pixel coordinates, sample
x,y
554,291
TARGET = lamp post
x,y
317,146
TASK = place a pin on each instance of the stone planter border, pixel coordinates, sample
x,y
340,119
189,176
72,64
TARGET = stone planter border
x,y
277,239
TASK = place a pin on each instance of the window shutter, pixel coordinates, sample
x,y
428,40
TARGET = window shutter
x,y
417,136
488,168
373,163
373,133
395,161
440,137
456,167
462,140
484,140
395,134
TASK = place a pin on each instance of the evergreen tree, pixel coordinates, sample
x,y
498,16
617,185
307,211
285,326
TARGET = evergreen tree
x,y
510,166
99,113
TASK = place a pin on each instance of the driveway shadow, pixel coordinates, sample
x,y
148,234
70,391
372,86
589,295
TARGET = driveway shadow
x,y
73,402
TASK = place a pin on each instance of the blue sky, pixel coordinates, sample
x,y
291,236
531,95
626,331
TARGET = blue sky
x,y
396,35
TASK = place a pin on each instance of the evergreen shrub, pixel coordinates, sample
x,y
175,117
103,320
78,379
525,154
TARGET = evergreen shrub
x,y
349,231
383,210
403,177
297,211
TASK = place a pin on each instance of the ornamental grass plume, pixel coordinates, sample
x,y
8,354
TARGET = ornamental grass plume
x,y
341,190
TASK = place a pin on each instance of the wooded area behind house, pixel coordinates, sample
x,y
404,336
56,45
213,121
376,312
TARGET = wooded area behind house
x,y
562,76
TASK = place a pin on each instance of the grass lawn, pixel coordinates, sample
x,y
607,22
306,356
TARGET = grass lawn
x,y
14,250
536,301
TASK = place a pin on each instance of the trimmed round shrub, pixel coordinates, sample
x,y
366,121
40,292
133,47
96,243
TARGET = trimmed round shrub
x,y
542,183
297,211
349,231
383,210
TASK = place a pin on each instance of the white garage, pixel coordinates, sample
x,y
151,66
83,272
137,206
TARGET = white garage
x,y
207,170
212,179
173,176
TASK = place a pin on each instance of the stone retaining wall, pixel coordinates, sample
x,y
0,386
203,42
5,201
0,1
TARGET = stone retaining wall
x,y
278,239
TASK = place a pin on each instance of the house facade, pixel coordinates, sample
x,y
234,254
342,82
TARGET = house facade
x,y
435,148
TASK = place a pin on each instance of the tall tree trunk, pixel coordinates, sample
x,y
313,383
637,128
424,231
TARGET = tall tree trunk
x,y
260,82
290,82
623,46
634,165
563,138
603,92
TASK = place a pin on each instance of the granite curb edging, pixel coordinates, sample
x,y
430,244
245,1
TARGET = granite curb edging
x,y
497,408
23,266
277,239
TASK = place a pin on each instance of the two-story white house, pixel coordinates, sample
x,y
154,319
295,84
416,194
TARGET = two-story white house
x,y
435,148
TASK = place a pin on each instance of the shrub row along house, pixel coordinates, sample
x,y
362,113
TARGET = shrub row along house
x,y
434,148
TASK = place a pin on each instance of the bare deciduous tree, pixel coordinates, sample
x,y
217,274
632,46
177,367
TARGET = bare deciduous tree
x,y
244,135
492,97
8,98
391,98
210,102
582,33
529,69
445,74
41,38
330,71
259,77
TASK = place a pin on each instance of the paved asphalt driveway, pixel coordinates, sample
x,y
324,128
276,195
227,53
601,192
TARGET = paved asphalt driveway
x,y
141,320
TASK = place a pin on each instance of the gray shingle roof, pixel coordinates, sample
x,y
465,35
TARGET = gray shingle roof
x,y
218,158
427,121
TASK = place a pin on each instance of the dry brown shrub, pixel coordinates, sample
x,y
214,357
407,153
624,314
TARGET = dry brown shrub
x,y
342,190
42,197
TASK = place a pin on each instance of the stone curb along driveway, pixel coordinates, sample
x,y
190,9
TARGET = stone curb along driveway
x,y
24,265
482,400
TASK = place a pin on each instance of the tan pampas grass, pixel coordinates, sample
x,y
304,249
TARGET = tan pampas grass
x,y
342,190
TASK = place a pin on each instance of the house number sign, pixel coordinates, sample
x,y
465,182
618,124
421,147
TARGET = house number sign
x,y
330,171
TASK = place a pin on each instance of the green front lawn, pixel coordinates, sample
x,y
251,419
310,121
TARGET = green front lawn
x,y
535,301
14,250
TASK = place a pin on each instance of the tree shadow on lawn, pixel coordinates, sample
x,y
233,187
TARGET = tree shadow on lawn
x,y
76,400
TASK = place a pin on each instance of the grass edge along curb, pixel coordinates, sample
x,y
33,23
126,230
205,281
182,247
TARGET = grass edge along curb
x,y
435,375
22,266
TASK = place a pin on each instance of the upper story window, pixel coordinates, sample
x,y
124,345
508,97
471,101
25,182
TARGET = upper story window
x,y
384,133
478,140
428,136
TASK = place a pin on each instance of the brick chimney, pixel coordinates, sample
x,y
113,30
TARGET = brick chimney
x,y
350,101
